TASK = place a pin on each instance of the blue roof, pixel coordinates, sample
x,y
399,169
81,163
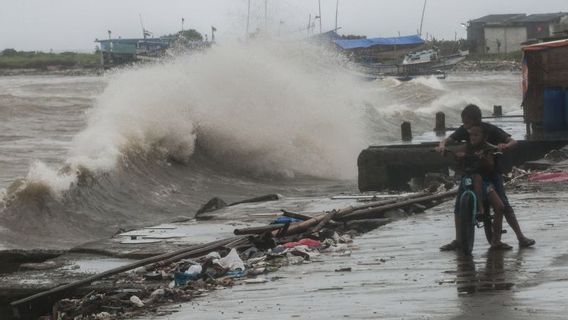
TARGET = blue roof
x,y
392,41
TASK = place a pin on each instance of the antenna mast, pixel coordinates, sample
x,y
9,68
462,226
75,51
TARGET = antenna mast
x,y
142,24
336,13
248,19
319,13
266,16
422,20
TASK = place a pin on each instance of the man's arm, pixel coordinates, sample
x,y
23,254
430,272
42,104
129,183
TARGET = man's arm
x,y
442,145
509,143
459,135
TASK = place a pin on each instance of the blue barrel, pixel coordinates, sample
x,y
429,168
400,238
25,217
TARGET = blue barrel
x,y
566,109
554,113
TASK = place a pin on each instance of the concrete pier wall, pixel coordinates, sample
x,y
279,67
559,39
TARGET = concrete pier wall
x,y
392,167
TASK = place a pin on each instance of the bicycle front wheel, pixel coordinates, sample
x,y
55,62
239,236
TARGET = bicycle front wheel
x,y
467,222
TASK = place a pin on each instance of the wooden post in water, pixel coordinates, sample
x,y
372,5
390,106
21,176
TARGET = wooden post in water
x,y
440,127
497,111
406,131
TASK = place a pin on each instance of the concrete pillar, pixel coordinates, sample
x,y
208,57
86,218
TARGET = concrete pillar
x,y
497,111
440,127
406,131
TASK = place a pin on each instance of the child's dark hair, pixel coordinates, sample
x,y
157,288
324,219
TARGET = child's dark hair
x,y
472,112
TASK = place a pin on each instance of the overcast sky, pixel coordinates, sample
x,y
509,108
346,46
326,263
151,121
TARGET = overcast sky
x,y
74,24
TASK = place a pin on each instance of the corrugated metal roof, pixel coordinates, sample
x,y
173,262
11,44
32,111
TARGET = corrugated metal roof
x,y
499,18
392,41
544,17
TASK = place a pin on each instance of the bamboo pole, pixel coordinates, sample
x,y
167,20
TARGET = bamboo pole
x,y
179,254
375,212
258,230
295,215
324,222
347,210
299,227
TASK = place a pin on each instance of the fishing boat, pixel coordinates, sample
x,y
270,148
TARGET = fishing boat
x,y
429,61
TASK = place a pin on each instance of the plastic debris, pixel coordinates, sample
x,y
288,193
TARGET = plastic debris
x,y
303,242
136,301
283,220
231,261
549,176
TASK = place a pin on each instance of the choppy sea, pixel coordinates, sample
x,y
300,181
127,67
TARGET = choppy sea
x,y
82,157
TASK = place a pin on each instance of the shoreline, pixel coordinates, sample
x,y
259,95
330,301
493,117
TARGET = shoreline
x,y
472,66
51,72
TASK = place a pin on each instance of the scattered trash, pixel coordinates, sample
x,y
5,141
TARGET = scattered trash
x,y
136,301
303,242
549,176
170,280
232,261
255,280
284,220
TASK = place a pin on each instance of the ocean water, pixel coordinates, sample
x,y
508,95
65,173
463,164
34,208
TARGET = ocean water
x,y
82,157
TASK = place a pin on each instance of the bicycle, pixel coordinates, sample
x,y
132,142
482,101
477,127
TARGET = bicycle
x,y
467,211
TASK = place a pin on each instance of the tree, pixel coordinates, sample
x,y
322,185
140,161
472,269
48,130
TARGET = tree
x,y
9,52
191,35
188,35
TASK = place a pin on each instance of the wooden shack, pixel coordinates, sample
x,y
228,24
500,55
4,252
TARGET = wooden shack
x,y
545,65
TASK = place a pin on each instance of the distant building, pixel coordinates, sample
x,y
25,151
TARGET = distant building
x,y
504,33
377,50
122,51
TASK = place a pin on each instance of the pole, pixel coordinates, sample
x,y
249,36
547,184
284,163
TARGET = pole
x,y
319,12
336,13
309,23
422,20
182,20
248,20
266,16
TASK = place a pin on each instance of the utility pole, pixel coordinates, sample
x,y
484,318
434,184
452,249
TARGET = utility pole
x,y
248,20
336,13
266,16
422,19
319,12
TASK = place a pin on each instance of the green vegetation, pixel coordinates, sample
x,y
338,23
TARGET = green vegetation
x,y
189,35
12,59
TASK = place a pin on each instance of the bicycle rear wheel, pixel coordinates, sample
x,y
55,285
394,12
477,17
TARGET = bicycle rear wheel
x,y
467,222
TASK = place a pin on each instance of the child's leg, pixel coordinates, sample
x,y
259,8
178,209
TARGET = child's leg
x,y
478,189
499,209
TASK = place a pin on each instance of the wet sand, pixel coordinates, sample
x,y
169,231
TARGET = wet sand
x,y
398,272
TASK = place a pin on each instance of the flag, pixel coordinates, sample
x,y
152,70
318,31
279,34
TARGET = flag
x,y
213,29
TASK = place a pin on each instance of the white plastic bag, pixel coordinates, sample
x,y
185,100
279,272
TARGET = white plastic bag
x,y
232,261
